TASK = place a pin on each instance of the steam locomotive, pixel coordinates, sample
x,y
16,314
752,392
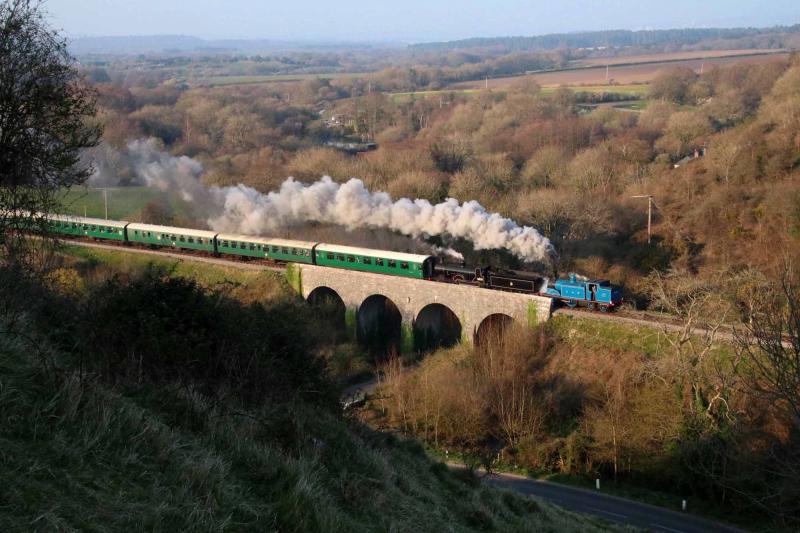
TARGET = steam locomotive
x,y
573,291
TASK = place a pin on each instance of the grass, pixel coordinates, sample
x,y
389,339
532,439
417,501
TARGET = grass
x,y
347,362
78,452
221,81
123,202
632,91
84,456
603,335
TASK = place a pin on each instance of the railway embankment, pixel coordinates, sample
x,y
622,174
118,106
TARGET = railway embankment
x,y
163,394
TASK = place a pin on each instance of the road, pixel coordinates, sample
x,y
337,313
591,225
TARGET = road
x,y
612,508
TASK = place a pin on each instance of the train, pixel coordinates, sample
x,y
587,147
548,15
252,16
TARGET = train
x,y
573,291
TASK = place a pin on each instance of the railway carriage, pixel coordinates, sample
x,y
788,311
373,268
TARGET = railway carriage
x,y
377,261
257,247
291,251
189,239
242,245
96,228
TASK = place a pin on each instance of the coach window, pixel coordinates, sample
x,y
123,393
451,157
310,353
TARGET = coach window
x,y
404,266
379,262
243,245
190,239
294,251
329,255
392,263
366,260
252,246
351,259
284,250
340,257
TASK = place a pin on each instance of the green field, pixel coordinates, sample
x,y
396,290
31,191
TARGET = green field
x,y
221,81
124,203
633,90
630,91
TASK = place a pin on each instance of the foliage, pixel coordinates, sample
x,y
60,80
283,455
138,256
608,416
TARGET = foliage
x,y
44,124
149,432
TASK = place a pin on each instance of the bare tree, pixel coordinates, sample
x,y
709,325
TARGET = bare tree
x,y
700,308
770,341
44,107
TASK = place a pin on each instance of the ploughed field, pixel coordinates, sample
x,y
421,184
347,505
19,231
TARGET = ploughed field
x,y
642,72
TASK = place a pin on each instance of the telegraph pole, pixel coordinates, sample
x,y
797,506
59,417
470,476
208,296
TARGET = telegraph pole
x,y
105,197
649,212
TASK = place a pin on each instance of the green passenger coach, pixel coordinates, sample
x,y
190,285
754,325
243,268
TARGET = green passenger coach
x,y
96,228
291,251
243,245
189,239
377,261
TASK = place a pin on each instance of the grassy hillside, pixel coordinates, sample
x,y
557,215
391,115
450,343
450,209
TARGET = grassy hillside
x,y
131,399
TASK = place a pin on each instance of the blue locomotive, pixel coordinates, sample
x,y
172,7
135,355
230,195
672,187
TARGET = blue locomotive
x,y
594,293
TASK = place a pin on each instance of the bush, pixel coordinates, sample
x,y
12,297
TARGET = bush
x,y
162,330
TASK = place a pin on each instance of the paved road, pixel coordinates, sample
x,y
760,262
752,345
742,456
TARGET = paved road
x,y
612,508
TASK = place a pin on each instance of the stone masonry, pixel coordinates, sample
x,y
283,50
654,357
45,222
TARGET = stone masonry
x,y
470,304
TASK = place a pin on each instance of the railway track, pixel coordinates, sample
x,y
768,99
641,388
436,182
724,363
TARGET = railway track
x,y
242,265
642,319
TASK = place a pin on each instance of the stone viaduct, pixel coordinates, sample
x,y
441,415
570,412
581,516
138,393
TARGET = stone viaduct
x,y
418,301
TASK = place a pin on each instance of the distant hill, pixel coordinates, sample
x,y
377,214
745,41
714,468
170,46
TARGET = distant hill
x,y
618,38
143,44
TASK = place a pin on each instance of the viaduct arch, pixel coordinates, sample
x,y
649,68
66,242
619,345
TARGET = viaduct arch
x,y
422,305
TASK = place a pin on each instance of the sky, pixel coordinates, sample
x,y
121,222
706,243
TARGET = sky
x,y
402,20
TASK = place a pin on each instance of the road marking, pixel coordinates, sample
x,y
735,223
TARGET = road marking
x,y
666,528
608,512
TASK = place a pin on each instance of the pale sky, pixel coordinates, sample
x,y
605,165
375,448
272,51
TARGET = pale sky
x,y
406,20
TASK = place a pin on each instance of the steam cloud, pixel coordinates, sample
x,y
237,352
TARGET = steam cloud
x,y
353,206
242,209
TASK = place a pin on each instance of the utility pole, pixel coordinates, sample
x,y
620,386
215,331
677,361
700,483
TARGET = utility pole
x,y
606,73
105,197
649,212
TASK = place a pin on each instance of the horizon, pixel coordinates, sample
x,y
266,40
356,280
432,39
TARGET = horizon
x,y
354,21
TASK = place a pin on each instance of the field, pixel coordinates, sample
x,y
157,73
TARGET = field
x,y
622,74
632,91
674,56
124,203
221,81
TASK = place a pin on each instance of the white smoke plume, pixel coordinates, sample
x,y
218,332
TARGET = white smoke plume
x,y
144,163
242,209
353,206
